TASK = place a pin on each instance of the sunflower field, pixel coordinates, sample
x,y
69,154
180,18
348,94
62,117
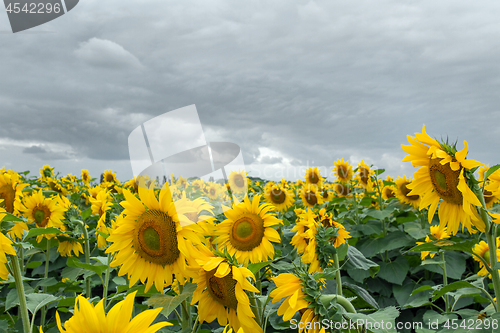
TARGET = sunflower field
x,y
363,252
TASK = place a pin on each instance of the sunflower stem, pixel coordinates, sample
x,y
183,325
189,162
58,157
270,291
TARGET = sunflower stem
x,y
87,259
106,282
338,277
492,246
258,281
23,308
255,308
45,276
445,283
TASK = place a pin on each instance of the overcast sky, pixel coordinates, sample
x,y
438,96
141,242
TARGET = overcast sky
x,y
293,83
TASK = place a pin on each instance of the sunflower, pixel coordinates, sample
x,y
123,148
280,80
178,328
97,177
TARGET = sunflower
x,y
5,248
213,190
11,195
482,250
492,187
313,177
279,197
443,177
388,191
86,176
11,187
149,241
311,243
247,232
196,213
100,206
221,295
437,233
363,175
46,172
65,248
305,222
88,318
109,177
238,181
291,288
310,196
342,170
402,190
342,190
44,212
326,193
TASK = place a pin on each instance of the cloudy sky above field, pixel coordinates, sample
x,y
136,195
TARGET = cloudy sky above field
x,y
293,83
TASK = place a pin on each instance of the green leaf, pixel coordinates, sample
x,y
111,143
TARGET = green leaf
x,y
254,268
86,213
388,315
42,231
11,218
420,289
395,271
33,264
380,214
358,261
98,268
362,293
452,286
414,229
35,302
445,245
47,282
455,265
491,170
169,303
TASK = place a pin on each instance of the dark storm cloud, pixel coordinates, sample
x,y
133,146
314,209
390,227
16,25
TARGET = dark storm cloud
x,y
312,81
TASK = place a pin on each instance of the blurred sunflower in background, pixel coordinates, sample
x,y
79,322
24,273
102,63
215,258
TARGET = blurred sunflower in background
x,y
11,187
278,196
482,250
492,187
311,196
437,233
238,181
442,180
401,191
363,176
5,248
313,177
85,177
342,189
343,171
248,231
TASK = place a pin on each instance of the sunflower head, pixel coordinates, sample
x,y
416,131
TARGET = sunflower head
x,y
278,196
248,231
238,181
343,171
313,177
221,293
402,192
443,179
311,195
363,174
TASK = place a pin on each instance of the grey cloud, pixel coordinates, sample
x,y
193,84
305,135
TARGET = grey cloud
x,y
34,150
314,81
270,160
105,53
